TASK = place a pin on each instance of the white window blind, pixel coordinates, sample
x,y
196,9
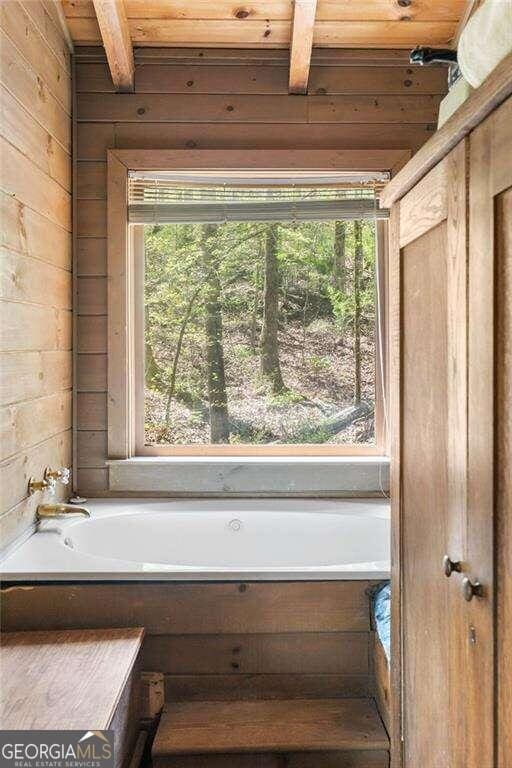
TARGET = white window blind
x,y
180,197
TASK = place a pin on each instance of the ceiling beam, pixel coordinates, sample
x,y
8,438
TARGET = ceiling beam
x,y
117,42
304,12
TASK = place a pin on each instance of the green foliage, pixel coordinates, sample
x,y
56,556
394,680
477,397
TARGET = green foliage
x,y
316,316
286,397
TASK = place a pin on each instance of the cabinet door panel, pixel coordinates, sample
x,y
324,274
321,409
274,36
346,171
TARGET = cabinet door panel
x,y
490,425
425,499
445,682
433,461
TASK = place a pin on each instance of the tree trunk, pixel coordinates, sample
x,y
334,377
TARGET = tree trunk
x,y
179,345
219,422
339,273
255,307
358,269
269,343
151,368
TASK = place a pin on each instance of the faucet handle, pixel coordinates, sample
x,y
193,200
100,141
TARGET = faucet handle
x,y
48,484
61,475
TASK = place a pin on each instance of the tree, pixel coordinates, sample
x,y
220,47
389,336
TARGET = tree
x,y
358,269
179,345
339,267
269,341
215,374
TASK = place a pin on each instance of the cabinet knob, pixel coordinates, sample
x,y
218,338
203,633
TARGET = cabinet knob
x,y
449,566
471,590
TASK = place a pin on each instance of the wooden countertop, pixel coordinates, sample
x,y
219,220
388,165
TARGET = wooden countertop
x,y
70,679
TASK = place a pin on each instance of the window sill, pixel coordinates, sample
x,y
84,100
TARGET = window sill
x,y
252,475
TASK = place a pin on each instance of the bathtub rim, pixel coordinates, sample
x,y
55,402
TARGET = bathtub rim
x,y
101,569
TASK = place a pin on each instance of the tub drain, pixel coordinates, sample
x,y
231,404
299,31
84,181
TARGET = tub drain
x,y
235,524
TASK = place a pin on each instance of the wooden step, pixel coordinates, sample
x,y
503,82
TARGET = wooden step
x,y
361,758
292,726
353,759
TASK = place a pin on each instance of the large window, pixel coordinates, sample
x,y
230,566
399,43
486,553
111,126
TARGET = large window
x,y
261,315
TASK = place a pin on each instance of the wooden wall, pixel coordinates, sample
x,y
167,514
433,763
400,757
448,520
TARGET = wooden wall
x,y
223,641
213,99
35,192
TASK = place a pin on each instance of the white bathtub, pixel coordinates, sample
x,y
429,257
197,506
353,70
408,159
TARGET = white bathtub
x,y
230,539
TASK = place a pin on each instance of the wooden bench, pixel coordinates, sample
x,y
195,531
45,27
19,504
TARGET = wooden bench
x,y
83,679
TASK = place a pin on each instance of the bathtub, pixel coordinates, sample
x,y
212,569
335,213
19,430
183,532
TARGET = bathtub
x,y
209,540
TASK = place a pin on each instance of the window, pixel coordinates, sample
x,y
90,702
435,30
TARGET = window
x,y
258,313
246,311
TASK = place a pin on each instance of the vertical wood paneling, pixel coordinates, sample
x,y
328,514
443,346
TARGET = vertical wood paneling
x,y
237,101
35,291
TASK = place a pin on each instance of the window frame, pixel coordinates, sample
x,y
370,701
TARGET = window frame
x,y
125,382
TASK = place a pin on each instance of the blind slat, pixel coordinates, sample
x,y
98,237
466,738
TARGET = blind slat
x,y
174,198
313,210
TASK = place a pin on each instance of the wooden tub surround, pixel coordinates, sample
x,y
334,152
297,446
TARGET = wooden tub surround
x,y
281,671
73,680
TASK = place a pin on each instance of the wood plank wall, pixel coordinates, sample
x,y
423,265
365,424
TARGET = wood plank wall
x,y
35,297
222,641
213,99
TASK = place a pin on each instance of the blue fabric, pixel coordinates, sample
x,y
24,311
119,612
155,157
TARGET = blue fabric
x,y
382,614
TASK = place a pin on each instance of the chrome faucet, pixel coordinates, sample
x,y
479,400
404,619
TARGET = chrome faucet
x,y
56,510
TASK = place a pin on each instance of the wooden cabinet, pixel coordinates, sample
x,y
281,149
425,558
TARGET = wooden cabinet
x,y
451,404
490,390
76,679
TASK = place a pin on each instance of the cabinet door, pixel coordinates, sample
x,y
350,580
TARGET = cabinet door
x,y
490,412
442,641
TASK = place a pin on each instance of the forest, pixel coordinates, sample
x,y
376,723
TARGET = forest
x,y
260,333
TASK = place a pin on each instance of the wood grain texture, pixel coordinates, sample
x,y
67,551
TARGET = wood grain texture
x,y
181,104
269,726
394,350
488,427
301,44
115,35
503,454
120,419
24,180
423,496
234,687
255,79
21,129
457,445
340,10
95,138
32,92
192,609
221,761
16,470
33,375
254,33
350,759
20,28
44,417
35,287
494,91
92,373
340,653
249,108
28,232
382,682
70,679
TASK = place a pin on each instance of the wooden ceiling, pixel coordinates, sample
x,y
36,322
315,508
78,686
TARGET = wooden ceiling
x,y
297,25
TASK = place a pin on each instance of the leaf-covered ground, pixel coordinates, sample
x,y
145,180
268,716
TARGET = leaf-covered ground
x,y
318,374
